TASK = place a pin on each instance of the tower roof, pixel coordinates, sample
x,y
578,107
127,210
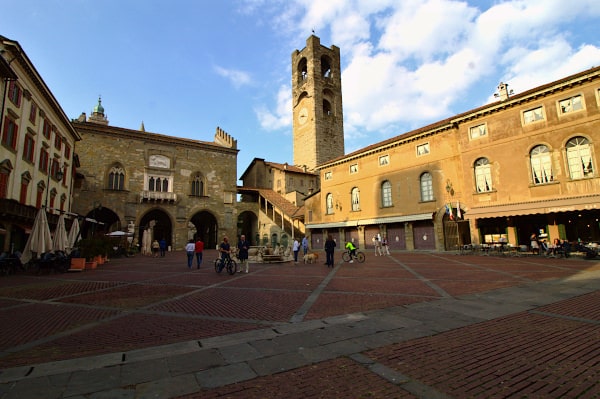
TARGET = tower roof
x,y
99,109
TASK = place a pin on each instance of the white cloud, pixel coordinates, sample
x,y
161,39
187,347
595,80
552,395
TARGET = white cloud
x,y
281,117
411,62
236,77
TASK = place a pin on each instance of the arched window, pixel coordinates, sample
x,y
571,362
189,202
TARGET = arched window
x,y
579,157
541,165
197,186
325,67
483,175
302,70
116,178
355,196
426,181
386,194
326,107
329,204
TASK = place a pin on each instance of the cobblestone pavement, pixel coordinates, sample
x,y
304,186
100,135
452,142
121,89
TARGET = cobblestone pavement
x,y
409,325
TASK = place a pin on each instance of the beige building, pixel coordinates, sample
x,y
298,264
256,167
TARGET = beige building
x,y
524,164
175,188
37,158
271,202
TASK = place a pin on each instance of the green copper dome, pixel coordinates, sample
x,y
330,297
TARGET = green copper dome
x,y
99,108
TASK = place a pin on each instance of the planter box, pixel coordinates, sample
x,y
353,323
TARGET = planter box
x,y
91,265
77,264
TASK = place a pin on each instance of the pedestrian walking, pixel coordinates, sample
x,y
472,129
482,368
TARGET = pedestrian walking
x,y
296,249
162,244
199,250
377,243
304,245
329,250
243,246
189,250
385,245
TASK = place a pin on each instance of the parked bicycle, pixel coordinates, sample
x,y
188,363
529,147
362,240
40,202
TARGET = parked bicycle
x,y
227,264
358,255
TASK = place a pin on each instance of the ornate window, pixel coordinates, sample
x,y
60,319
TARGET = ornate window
x,y
579,157
329,204
116,178
483,175
9,135
386,194
541,165
198,186
160,184
426,181
355,197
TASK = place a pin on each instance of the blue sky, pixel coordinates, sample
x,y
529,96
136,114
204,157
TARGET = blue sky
x,y
184,67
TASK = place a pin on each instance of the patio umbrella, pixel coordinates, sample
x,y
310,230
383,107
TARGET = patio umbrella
x,y
119,233
73,235
61,239
39,240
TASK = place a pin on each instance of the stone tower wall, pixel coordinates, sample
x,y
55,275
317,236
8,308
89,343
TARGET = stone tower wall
x,y
319,137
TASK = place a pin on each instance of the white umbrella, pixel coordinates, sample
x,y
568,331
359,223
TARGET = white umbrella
x,y
61,239
40,239
73,235
145,242
119,233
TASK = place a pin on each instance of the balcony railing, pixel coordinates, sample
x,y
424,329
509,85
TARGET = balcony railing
x,y
157,196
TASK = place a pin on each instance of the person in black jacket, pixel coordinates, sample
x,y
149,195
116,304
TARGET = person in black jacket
x,y
329,250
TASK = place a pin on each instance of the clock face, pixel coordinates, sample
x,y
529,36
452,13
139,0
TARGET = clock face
x,y
302,116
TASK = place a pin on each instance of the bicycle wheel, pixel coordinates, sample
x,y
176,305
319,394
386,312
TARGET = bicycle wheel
x,y
231,267
360,257
217,265
346,256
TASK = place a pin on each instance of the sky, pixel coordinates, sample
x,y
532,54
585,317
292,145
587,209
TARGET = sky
x,y
186,67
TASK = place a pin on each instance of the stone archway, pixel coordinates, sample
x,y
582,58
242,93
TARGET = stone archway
x,y
247,223
161,224
207,229
107,219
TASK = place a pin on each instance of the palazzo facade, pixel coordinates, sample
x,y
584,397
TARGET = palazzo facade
x,y
175,188
524,164
37,158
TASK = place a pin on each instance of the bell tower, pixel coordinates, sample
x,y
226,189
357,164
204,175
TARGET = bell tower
x,y
317,104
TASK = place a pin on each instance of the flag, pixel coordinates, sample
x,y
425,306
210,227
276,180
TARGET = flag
x,y
458,210
449,210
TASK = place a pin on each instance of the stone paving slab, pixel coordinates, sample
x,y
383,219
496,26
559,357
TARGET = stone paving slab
x,y
474,340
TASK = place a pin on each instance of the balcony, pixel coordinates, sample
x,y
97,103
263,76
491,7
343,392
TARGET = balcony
x,y
157,196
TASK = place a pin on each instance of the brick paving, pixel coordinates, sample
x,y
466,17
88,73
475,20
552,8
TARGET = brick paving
x,y
134,303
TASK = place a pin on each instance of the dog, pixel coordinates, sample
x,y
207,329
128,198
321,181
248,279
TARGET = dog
x,y
311,258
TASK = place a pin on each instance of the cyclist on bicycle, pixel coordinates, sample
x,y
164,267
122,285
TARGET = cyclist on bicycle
x,y
225,250
352,250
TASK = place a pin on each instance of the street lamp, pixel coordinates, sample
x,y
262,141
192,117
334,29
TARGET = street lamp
x,y
59,175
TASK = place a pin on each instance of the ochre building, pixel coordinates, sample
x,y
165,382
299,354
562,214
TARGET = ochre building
x,y
525,164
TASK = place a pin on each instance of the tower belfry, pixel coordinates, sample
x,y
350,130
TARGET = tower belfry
x,y
317,104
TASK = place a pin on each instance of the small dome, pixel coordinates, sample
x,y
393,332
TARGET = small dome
x,y
99,109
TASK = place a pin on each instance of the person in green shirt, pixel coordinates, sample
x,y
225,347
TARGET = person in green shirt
x,y
352,249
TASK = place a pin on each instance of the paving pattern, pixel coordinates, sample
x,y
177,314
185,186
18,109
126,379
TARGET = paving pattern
x,y
129,304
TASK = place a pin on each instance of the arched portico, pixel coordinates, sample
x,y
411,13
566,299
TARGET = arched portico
x,y
207,228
